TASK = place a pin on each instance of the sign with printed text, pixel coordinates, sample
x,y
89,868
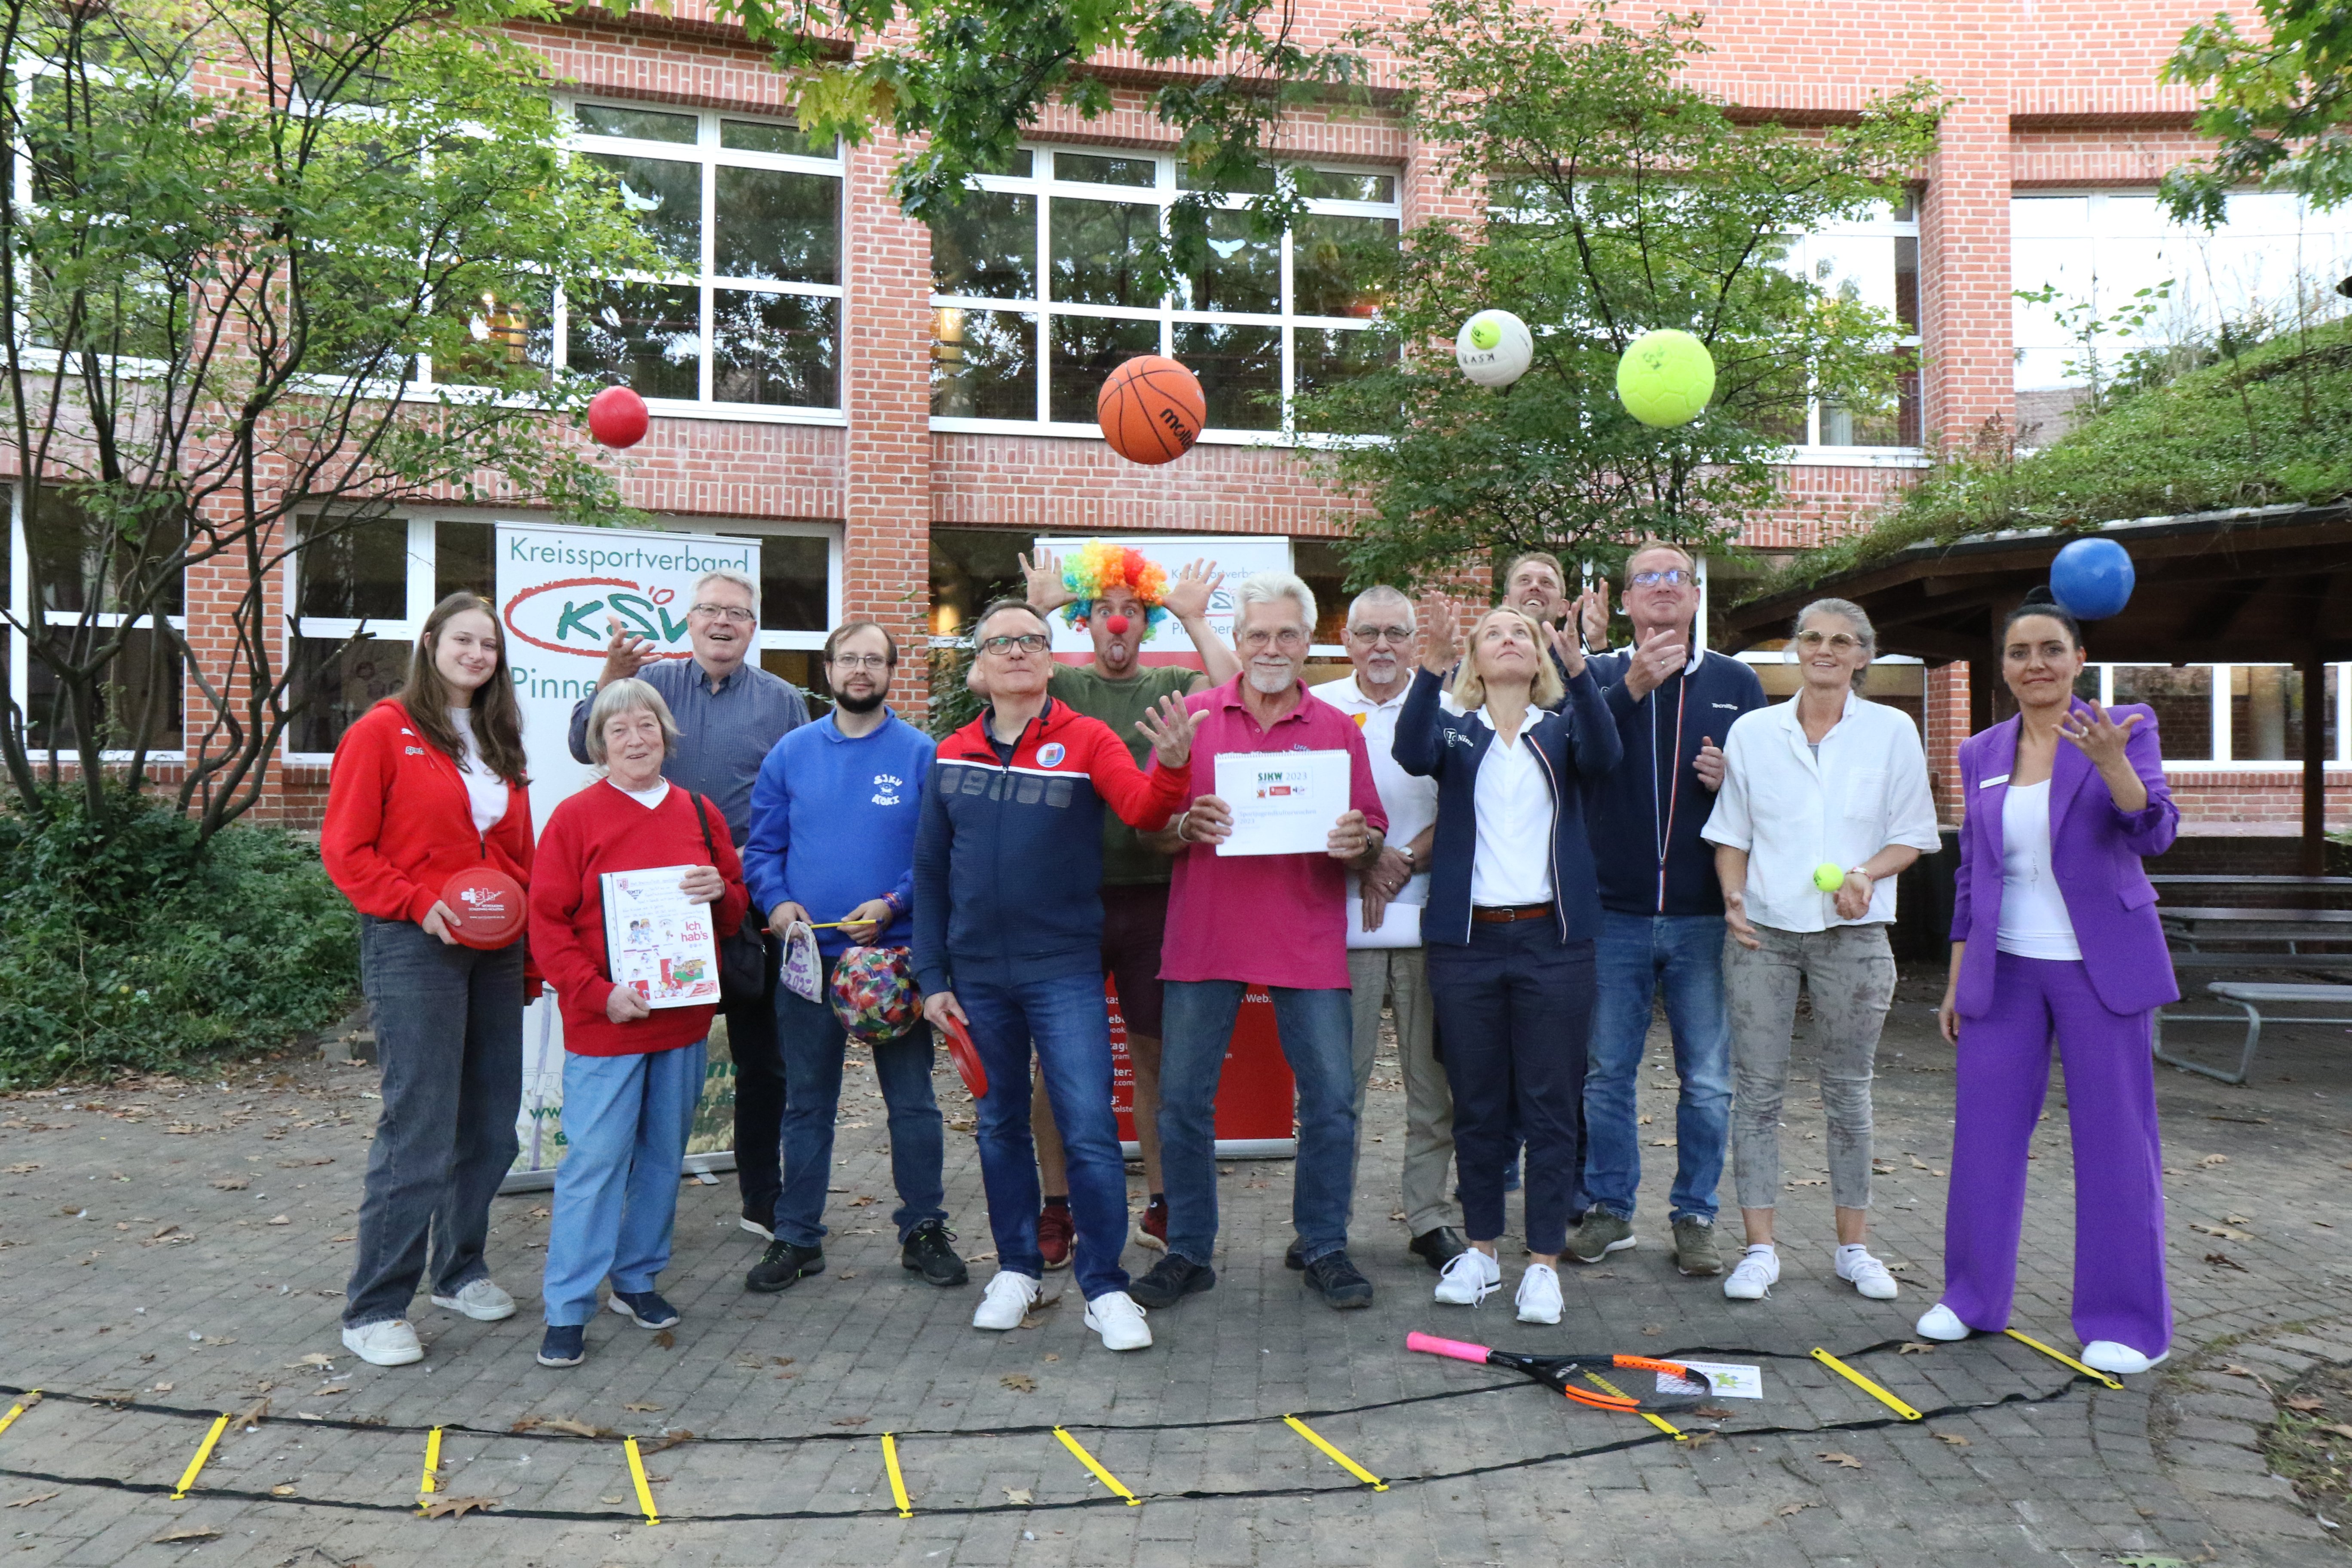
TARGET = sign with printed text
x,y
1236,556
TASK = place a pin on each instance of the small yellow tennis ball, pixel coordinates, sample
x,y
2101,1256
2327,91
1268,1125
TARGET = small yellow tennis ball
x,y
1484,332
1665,377
1829,876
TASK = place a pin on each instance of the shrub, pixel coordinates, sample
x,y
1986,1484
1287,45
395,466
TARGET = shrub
x,y
140,948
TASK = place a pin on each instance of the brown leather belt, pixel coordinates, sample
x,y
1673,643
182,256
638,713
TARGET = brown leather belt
x,y
1501,916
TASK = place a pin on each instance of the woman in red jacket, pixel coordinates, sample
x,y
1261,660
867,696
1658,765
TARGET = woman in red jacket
x,y
427,784
634,1022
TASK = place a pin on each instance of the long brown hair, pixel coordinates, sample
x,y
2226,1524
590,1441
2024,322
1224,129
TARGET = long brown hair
x,y
498,717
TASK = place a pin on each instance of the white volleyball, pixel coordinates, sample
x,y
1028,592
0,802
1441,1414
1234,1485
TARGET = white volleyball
x,y
1494,348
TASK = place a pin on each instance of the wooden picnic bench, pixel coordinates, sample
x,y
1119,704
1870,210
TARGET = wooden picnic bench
x,y
2245,940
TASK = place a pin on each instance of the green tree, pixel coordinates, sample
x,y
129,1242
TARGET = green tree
x,y
238,231
2279,110
1619,200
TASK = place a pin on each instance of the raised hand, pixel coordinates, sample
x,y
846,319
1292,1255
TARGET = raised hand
x,y
1187,597
1592,614
625,653
1662,653
1441,633
2099,737
1044,576
1564,646
1169,729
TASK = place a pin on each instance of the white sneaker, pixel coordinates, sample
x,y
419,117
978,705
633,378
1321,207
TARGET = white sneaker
x,y
389,1343
1115,1316
1867,1274
1007,1301
2109,1356
1752,1280
481,1301
1540,1294
1469,1279
1940,1322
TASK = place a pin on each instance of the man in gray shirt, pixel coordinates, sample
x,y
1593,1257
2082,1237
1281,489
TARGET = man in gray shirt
x,y
729,712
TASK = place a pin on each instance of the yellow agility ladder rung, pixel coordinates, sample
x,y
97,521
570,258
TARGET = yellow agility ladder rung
x,y
1864,1384
637,1475
1091,1463
32,1397
898,1480
1333,1454
1660,1421
2058,1355
204,1452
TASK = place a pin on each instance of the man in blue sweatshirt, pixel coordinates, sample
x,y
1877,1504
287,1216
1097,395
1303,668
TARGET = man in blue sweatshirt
x,y
1661,910
833,813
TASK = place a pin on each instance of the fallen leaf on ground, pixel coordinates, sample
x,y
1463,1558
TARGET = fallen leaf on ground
x,y
279,1219
634,1407
1712,1414
861,1200
313,1359
1916,1347
1654,1329
2306,1403
2234,1369
458,1507
751,1365
189,1532
1051,1356
2221,1232
667,1340
1019,1381
2338,1427
559,1424
26,1170
252,1415
847,1274
851,1420
2212,1160
234,1184
1846,1461
608,1500
1954,1438
2223,1261
2236,1219
542,1212
29,1501
1019,1497
354,1237
672,1441
287,1490
1786,1509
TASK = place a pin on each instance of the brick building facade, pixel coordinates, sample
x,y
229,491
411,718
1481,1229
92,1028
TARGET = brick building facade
x,y
882,495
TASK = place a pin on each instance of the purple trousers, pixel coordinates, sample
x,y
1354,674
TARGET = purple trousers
x,y
2003,1073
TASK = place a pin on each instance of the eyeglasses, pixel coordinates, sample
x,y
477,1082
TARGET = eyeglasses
x,y
1027,642
733,614
1839,642
1672,577
1381,634
861,661
1288,637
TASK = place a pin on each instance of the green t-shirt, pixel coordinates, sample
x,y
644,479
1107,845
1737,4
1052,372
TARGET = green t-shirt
x,y
1127,861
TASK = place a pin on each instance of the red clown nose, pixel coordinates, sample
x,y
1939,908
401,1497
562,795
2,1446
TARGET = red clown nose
x,y
1115,625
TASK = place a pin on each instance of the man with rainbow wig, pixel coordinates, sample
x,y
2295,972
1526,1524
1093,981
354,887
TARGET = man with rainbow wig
x,y
1119,597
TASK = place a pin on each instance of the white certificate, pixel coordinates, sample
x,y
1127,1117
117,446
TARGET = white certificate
x,y
1284,803
657,940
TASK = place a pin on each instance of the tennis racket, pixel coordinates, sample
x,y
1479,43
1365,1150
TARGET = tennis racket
x,y
1554,1372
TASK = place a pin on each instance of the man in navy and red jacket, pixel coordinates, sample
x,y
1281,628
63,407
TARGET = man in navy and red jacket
x,y
1008,932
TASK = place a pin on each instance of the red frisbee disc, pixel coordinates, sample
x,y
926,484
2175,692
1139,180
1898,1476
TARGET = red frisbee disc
x,y
486,907
618,417
965,1056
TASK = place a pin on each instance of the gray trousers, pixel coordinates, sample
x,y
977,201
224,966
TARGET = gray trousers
x,y
448,1045
1400,976
1850,973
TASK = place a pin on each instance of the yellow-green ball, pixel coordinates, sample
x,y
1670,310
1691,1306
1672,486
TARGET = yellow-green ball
x,y
1665,377
1829,876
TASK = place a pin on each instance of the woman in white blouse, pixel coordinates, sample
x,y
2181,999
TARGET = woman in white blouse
x,y
1825,786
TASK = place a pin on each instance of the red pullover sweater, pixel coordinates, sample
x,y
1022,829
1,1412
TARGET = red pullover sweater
x,y
599,830
399,823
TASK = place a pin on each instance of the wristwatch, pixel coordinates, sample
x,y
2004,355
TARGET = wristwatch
x,y
1411,864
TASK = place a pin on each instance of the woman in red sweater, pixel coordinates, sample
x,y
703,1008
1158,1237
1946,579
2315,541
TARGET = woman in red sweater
x,y
633,1031
427,784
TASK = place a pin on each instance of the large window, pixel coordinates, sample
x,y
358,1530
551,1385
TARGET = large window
x,y
746,314
2248,716
361,595
1038,292
1875,261
80,565
2115,278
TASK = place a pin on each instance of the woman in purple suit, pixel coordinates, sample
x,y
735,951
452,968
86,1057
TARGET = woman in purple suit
x,y
2054,930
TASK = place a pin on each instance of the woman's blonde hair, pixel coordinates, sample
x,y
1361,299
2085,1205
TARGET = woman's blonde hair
x,y
621,696
1469,688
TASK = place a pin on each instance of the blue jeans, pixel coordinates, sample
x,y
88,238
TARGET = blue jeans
x,y
1317,1038
1065,1016
813,1044
1636,954
625,1121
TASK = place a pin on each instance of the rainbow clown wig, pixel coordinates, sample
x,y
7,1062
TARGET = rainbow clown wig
x,y
1097,566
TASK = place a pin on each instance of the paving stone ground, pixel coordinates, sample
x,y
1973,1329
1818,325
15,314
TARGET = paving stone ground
x,y
182,1248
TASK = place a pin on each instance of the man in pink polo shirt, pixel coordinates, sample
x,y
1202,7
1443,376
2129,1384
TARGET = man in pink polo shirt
x,y
1278,921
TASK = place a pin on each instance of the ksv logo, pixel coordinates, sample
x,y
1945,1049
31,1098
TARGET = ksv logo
x,y
886,789
1050,754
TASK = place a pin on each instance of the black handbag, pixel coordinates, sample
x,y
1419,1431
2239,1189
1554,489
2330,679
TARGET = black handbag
x,y
743,957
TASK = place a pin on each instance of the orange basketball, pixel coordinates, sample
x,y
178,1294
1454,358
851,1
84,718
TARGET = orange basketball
x,y
1152,410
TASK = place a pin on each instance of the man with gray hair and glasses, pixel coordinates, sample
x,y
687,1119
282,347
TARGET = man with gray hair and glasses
x,y
1386,962
728,713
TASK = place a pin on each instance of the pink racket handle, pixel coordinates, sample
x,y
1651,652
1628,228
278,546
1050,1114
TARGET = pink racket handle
x,y
1460,1349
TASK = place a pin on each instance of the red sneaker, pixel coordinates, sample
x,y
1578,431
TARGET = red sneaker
x,y
1056,1232
1151,1229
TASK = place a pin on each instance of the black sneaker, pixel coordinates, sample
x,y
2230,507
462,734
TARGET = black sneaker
x,y
932,1253
565,1345
782,1265
1293,1258
1172,1280
645,1309
1438,1247
1338,1282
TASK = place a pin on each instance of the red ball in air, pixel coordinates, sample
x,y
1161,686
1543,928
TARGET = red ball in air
x,y
618,417
1115,625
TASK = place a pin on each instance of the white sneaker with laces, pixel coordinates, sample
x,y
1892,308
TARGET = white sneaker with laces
x,y
481,1301
1752,1280
1940,1322
1006,1301
1538,1298
1115,1316
2112,1356
389,1343
1469,1279
1867,1274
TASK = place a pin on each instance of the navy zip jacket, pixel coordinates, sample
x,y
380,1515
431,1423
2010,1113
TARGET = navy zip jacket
x,y
1576,743
1645,817
1008,855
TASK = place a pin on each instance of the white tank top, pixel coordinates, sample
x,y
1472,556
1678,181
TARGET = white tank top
x,y
2033,919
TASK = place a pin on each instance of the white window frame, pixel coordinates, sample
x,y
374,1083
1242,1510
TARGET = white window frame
x,y
1812,453
20,651
1041,186
422,575
705,153
2219,731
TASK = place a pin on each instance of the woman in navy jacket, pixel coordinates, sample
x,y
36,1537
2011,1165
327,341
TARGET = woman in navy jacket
x,y
1513,910
2054,930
